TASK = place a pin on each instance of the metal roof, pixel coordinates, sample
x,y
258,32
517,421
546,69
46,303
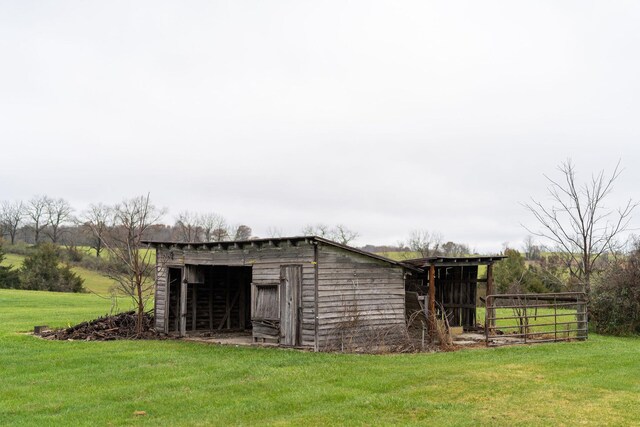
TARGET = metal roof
x,y
275,240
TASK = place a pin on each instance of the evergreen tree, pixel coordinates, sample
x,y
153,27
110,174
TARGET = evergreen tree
x,y
8,276
41,271
512,275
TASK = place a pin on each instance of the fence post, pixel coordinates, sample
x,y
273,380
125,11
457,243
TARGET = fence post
x,y
490,323
525,325
581,317
486,319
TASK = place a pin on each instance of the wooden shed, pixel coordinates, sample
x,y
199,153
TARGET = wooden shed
x,y
296,291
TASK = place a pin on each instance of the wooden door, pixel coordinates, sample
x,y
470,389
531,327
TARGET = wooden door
x,y
172,317
290,296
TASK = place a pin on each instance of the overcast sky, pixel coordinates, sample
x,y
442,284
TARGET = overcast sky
x,y
384,116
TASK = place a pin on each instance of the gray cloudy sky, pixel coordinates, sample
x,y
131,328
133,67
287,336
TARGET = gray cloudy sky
x,y
384,116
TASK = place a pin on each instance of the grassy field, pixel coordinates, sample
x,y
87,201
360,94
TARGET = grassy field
x,y
93,281
180,383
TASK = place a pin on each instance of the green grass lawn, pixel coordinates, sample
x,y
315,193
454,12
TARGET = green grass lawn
x,y
596,382
93,280
151,252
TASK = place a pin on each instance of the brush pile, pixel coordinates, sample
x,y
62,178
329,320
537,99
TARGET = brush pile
x,y
106,328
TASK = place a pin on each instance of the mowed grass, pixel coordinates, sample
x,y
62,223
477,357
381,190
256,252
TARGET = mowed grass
x,y
93,281
147,252
181,383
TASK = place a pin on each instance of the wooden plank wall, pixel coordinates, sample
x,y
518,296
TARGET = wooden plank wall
x,y
265,262
349,282
161,292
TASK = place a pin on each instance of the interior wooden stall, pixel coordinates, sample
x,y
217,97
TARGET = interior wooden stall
x,y
448,286
217,298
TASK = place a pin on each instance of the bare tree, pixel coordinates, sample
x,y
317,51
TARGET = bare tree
x,y
578,223
36,212
11,215
274,232
339,233
188,224
320,230
531,249
214,227
343,235
425,243
242,232
131,262
95,221
454,249
58,212
220,234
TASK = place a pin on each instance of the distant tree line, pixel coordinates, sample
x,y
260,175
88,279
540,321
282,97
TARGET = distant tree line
x,y
430,244
48,219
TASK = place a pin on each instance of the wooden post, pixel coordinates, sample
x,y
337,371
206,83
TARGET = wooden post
x,y
316,318
490,312
194,304
176,290
241,308
432,300
183,303
581,318
210,286
228,298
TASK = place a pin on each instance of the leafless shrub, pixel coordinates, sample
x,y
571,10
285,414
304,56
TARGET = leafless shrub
x,y
354,334
442,331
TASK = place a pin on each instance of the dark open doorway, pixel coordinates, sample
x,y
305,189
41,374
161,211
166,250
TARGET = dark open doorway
x,y
216,298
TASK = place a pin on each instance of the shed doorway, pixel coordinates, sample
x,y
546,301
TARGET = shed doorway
x,y
276,311
209,299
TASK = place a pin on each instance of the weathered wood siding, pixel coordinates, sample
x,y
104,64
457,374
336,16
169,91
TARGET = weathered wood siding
x,y
349,284
161,295
265,262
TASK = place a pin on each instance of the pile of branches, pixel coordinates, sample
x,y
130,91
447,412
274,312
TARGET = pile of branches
x,y
106,328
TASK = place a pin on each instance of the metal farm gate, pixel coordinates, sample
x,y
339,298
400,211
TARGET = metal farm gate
x,y
535,318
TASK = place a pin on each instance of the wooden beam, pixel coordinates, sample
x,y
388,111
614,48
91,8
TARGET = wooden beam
x,y
194,303
177,290
432,300
243,299
316,344
228,298
183,303
211,306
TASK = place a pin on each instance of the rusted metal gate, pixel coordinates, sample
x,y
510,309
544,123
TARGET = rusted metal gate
x,y
535,318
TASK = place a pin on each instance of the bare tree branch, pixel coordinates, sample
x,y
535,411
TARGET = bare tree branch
x,y
131,263
11,215
577,222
